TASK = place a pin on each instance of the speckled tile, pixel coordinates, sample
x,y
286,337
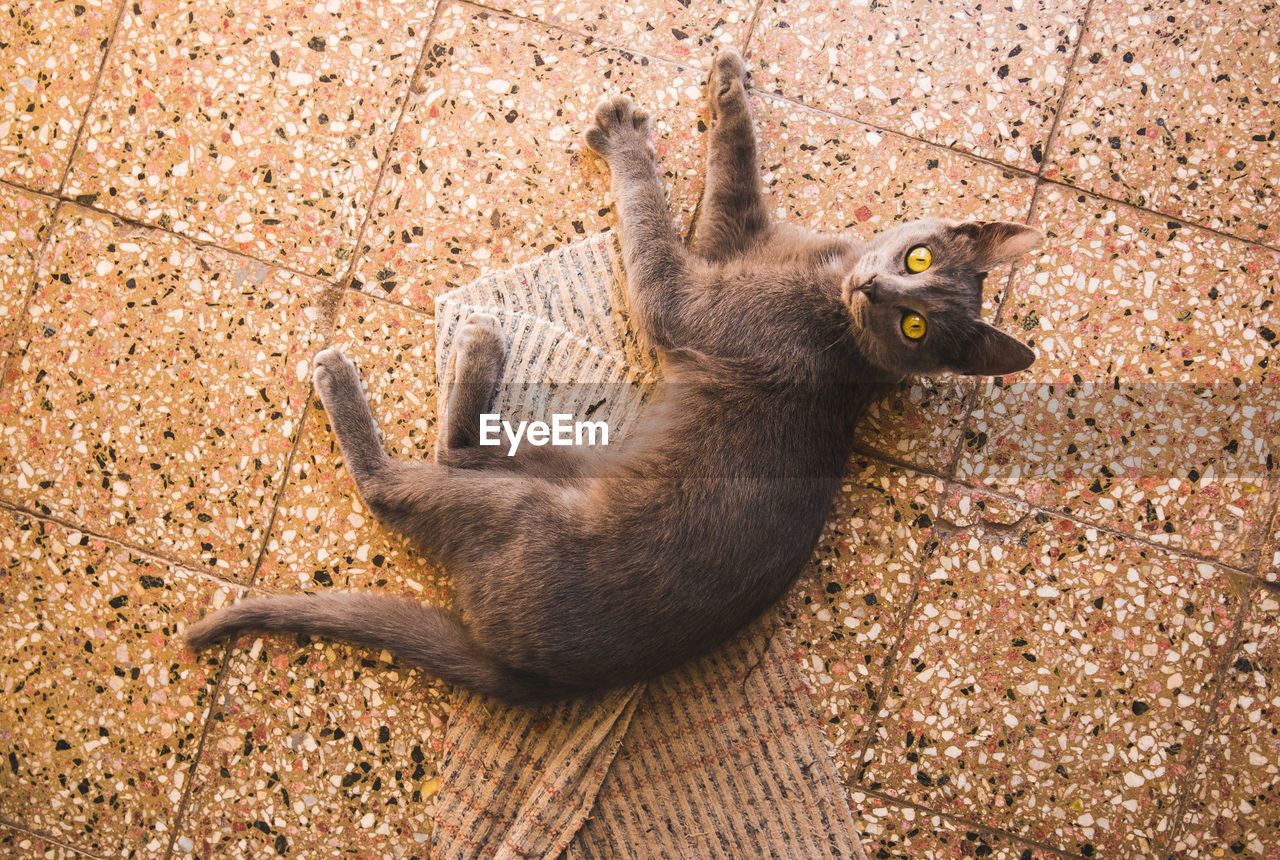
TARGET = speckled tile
x,y
155,390
1174,108
678,29
50,53
1237,804
1182,465
979,77
24,225
1119,293
834,175
488,168
1053,680
261,129
323,535
846,610
102,708
1271,571
1158,412
317,749
20,845
890,830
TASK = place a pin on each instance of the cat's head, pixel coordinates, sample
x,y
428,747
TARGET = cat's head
x,y
916,297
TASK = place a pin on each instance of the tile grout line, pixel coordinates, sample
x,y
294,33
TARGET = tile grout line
x,y
93,95
5,821
1204,744
12,185
1180,552
902,619
202,244
33,285
229,649
146,552
218,689
332,301
751,30
1003,835
412,89
1068,89
588,39
971,401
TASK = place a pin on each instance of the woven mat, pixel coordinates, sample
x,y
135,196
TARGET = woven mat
x,y
723,757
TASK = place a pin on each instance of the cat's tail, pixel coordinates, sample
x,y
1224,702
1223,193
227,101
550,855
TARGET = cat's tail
x,y
426,636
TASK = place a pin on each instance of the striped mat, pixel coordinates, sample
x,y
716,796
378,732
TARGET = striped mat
x,y
723,757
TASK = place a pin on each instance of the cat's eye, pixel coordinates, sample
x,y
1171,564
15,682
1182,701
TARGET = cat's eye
x,y
913,325
919,259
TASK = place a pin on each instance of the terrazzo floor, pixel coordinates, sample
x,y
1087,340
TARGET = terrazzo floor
x,y
1045,618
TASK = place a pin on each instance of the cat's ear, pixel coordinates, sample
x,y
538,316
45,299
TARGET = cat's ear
x,y
996,242
991,352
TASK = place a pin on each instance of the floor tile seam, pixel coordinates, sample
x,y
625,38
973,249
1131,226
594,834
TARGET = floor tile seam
x,y
15,185
428,313
32,285
1180,220
751,30
987,829
888,131
6,821
1022,172
411,90
149,554
963,485
972,399
201,244
121,5
1204,744
184,803
285,483
1109,530
1270,544
1068,88
902,619
1072,79
590,39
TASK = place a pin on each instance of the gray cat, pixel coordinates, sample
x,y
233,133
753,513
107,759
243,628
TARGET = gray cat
x,y
582,569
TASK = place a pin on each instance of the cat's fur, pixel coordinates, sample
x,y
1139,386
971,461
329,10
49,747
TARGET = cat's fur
x,y
578,570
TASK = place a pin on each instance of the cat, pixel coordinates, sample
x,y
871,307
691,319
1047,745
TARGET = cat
x,y
580,570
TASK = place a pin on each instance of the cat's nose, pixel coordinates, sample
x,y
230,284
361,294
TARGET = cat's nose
x,y
867,287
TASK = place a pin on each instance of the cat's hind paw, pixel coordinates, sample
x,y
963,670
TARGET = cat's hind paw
x,y
478,352
618,126
333,374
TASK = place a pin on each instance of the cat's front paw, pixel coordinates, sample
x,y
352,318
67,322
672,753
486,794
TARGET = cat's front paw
x,y
727,83
619,127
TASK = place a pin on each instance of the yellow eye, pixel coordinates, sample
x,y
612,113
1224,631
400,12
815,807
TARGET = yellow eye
x,y
913,325
919,259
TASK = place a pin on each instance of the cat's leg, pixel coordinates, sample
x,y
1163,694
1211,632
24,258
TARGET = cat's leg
x,y
733,212
428,503
656,261
338,386
477,359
